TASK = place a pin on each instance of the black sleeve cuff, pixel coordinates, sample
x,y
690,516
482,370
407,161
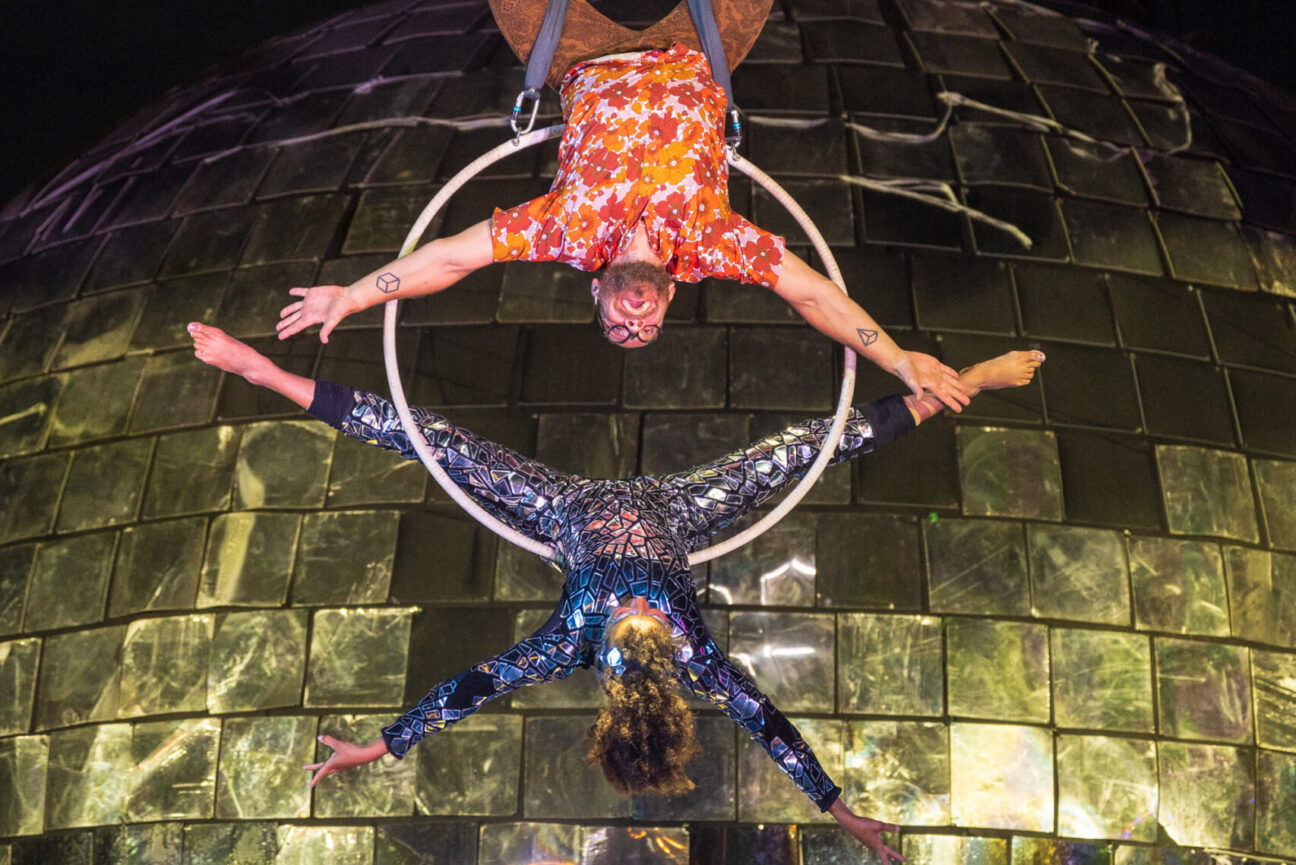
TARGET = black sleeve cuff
x,y
396,746
826,801
332,403
889,418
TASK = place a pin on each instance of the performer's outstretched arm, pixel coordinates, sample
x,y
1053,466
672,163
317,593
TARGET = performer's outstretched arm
x,y
547,655
517,490
714,678
722,490
435,266
832,312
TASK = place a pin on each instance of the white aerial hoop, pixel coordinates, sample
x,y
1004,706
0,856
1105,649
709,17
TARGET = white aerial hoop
x,y
479,513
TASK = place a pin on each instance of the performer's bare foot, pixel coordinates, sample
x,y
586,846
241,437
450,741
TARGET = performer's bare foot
x,y
215,347
1014,369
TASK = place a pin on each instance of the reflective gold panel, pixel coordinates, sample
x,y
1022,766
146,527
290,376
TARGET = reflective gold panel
x,y
1102,680
1001,777
258,659
23,761
95,401
18,659
1274,679
73,848
164,665
173,392
1276,793
867,560
1009,473
15,566
357,657
192,472
890,665
368,476
765,794
27,408
1078,574
1207,492
954,850
336,845
69,582
1276,480
1047,851
1107,787
1203,690
230,844
175,770
157,567
261,767
1262,595
529,843
778,568
998,670
977,566
152,844
1178,586
31,489
384,788
472,768
789,655
558,780
421,842
520,576
283,464
89,776
590,445
79,682
249,560
1207,794
635,845
898,771
103,485
345,557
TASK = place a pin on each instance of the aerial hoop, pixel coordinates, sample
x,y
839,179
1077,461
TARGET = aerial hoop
x,y
589,33
790,501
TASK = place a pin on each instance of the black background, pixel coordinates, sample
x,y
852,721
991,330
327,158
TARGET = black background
x,y
72,70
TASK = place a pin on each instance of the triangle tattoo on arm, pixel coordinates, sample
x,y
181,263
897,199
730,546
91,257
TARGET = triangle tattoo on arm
x,y
867,337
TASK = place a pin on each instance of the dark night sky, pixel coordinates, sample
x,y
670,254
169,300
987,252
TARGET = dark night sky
x,y
74,69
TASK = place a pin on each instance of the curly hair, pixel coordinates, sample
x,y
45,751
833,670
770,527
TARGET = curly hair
x,y
643,736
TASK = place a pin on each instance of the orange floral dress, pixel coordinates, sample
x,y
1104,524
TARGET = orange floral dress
x,y
644,142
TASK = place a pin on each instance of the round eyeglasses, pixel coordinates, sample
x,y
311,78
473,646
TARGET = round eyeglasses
x,y
620,334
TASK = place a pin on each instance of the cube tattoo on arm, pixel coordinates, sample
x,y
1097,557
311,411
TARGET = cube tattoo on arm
x,y
388,282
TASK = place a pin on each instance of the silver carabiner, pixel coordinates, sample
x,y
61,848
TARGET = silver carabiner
x,y
734,138
534,95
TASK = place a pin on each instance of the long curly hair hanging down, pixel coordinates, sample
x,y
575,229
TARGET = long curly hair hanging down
x,y
643,736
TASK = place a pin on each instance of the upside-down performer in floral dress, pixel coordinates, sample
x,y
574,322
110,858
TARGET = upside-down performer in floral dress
x,y
642,196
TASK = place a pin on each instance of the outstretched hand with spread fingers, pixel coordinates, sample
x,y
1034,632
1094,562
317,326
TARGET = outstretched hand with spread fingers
x,y
925,374
323,304
867,832
345,756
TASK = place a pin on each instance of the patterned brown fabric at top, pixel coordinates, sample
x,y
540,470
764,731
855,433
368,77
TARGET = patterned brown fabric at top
x,y
588,33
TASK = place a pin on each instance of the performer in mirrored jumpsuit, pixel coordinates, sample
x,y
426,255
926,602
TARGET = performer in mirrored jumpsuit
x,y
629,604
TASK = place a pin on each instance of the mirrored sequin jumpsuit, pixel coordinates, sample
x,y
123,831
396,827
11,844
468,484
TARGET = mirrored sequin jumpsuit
x,y
617,539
